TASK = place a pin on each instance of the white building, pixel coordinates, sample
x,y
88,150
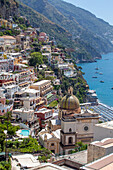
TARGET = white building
x,y
63,66
6,63
14,55
26,160
23,114
30,162
46,48
10,89
103,130
27,98
6,77
7,40
49,57
25,77
92,96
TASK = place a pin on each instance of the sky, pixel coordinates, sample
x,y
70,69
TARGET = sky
x,y
101,8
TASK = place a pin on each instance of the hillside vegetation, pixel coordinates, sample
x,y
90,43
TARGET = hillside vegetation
x,y
80,23
82,50
100,29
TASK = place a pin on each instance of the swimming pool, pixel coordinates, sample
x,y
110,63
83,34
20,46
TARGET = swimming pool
x,y
25,132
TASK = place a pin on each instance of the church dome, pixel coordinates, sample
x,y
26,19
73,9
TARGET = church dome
x,y
69,102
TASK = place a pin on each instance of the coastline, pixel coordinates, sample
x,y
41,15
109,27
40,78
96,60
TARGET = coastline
x,y
103,90
88,61
94,59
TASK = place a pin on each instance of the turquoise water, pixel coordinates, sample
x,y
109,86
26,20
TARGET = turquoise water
x,y
105,66
24,132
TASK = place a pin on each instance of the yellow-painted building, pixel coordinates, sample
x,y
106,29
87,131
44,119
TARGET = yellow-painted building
x,y
17,60
6,24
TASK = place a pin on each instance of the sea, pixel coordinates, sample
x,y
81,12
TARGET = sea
x,y
99,76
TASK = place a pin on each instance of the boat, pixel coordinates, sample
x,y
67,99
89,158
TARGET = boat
x,y
94,77
101,81
112,88
101,73
96,68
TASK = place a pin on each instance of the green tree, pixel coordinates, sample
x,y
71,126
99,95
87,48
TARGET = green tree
x,y
44,155
1,34
2,139
11,131
36,59
29,145
5,165
45,60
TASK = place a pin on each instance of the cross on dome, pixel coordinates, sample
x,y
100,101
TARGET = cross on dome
x,y
70,90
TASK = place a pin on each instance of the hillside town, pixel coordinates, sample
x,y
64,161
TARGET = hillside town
x,y
48,118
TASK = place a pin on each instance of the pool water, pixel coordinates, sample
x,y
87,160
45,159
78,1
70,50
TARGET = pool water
x,y
25,132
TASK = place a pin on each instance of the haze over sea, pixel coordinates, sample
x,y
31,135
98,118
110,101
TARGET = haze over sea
x,y
105,66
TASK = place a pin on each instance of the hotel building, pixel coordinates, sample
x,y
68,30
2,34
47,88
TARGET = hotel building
x,y
43,86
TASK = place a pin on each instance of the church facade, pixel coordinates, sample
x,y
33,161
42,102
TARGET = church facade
x,y
76,124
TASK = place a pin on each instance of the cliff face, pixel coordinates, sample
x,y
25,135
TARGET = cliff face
x,y
8,8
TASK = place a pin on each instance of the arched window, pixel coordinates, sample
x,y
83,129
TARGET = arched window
x,y
70,130
70,140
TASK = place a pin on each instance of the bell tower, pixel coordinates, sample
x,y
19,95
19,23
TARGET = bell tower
x,y
68,136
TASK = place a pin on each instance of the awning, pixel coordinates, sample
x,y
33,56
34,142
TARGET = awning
x,y
23,84
50,95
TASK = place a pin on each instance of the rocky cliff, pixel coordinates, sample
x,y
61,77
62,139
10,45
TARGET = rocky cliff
x,y
8,8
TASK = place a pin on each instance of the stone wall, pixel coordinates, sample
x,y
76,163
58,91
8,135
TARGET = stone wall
x,y
95,152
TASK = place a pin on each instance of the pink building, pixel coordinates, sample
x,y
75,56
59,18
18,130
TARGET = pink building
x,y
42,37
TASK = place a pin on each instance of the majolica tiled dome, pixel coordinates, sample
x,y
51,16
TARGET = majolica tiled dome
x,y
69,102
